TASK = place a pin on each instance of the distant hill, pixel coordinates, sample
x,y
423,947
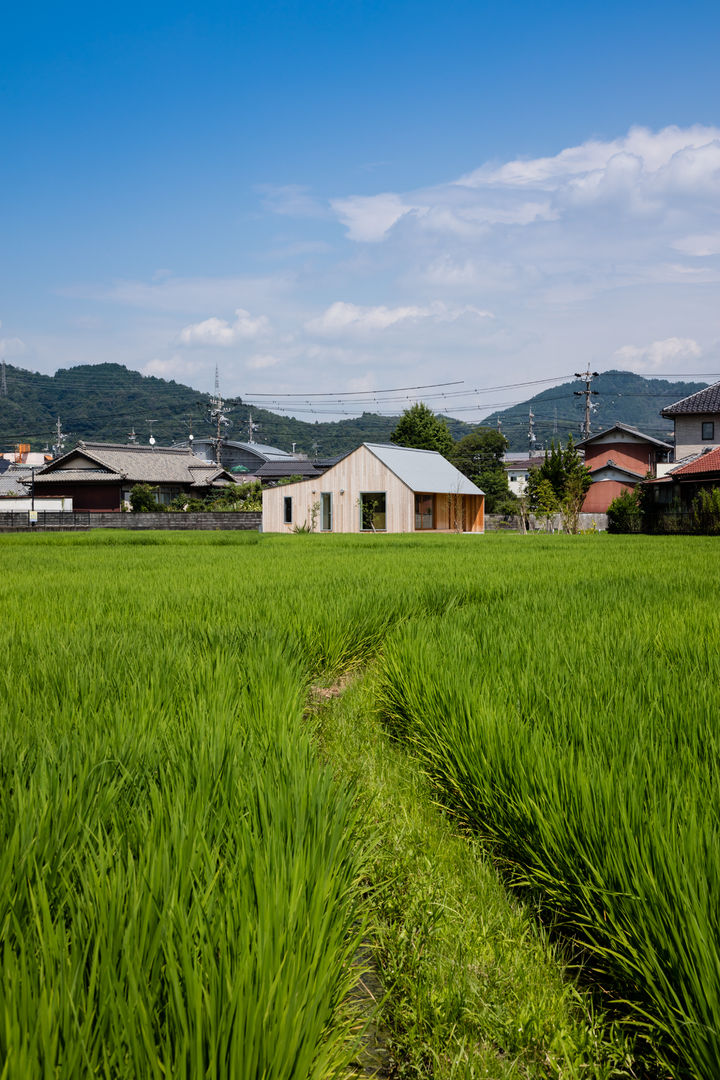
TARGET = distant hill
x,y
105,401
622,396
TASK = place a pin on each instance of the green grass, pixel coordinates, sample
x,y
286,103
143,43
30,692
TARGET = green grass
x,y
473,988
183,883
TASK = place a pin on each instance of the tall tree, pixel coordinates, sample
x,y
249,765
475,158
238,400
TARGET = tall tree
x,y
479,456
564,472
420,428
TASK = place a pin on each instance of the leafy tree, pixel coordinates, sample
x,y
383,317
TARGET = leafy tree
x,y
546,501
564,470
142,499
419,427
479,456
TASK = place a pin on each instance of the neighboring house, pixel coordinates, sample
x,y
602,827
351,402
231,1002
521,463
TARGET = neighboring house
x,y
273,471
619,458
236,455
23,455
517,467
679,486
697,421
379,488
100,476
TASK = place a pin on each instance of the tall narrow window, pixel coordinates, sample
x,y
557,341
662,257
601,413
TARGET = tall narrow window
x,y
326,522
424,512
372,511
287,509
708,430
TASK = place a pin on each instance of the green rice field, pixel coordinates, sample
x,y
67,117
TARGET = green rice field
x,y
184,878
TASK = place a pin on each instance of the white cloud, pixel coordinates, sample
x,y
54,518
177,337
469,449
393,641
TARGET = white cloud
x,y
260,362
700,245
370,217
659,354
341,316
11,346
643,172
216,331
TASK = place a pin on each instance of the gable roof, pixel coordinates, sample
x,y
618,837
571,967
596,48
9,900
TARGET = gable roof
x,y
628,431
707,462
611,471
133,464
704,401
423,470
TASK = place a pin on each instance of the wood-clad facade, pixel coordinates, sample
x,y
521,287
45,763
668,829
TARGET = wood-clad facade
x,y
361,493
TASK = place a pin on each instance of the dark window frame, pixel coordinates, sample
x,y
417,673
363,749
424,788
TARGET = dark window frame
x,y
287,510
418,514
363,514
707,425
326,496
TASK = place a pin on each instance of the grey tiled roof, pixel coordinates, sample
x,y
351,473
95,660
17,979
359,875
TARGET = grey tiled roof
x,y
704,401
11,483
133,464
630,431
271,470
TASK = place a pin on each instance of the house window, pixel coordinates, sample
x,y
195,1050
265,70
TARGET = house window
x,y
287,510
326,521
708,430
424,512
372,511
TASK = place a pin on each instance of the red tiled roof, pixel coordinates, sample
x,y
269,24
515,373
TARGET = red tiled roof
x,y
704,463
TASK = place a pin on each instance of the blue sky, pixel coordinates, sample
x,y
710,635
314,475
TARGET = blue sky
x,y
349,196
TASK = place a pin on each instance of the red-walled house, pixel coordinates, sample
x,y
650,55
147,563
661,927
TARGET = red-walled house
x,y
100,476
618,459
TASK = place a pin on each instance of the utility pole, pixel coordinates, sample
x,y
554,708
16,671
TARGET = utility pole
x,y
587,377
60,439
217,416
499,425
3,382
532,437
252,428
132,437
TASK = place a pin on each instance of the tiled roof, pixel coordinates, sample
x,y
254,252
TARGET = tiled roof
x,y
271,470
703,463
628,431
133,464
704,401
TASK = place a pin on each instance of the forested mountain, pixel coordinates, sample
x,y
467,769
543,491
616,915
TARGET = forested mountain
x,y
622,396
106,401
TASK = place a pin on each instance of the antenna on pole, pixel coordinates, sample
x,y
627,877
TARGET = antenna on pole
x,y
217,416
532,437
587,377
3,382
151,440
60,439
499,424
252,428
132,437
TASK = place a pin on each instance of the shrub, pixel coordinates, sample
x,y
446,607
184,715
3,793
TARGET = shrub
x,y
706,512
624,513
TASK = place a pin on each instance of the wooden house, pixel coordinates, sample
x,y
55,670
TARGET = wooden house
x,y
379,488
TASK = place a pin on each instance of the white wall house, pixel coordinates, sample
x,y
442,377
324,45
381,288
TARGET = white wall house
x,y
379,488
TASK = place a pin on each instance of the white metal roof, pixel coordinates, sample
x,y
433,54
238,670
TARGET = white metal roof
x,y
423,470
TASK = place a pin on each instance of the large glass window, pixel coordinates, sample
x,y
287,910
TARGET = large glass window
x,y
287,509
326,522
424,512
372,511
708,430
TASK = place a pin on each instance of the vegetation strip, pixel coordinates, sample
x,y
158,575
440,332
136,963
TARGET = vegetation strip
x,y
471,988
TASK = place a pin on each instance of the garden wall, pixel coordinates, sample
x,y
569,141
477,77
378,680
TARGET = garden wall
x,y
18,520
